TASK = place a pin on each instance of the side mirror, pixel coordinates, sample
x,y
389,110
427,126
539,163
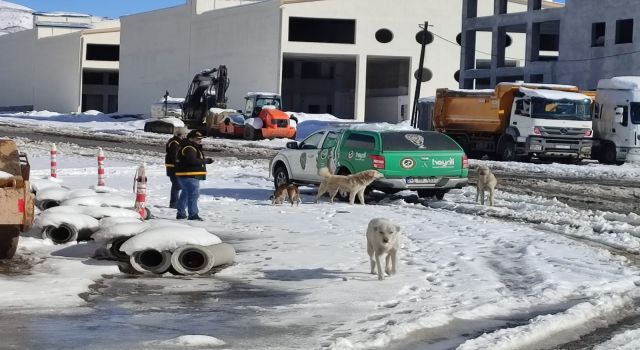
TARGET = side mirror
x,y
619,115
292,145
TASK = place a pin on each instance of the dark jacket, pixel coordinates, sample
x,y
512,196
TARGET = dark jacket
x,y
171,148
190,161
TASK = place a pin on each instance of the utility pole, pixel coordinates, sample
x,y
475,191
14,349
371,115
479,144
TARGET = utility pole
x,y
423,37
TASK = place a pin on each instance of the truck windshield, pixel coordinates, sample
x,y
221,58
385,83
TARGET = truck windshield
x,y
560,109
268,102
635,112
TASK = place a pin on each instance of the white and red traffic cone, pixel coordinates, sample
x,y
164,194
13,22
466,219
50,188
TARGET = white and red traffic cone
x,y
140,189
54,161
101,178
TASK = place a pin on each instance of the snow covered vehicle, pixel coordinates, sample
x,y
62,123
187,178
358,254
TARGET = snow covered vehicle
x,y
16,198
165,115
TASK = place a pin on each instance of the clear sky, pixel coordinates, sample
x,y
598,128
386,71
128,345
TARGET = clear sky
x,y
105,8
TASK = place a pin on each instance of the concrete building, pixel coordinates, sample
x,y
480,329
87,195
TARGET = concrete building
x,y
66,63
578,43
351,58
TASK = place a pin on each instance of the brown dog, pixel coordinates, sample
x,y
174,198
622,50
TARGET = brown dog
x,y
486,182
354,184
290,191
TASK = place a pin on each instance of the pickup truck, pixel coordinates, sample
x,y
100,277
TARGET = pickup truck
x,y
428,162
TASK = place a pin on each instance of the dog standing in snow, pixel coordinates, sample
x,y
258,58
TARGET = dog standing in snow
x,y
486,183
354,184
383,238
290,191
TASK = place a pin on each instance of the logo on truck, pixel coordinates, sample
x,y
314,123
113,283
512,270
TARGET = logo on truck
x,y
407,163
416,139
439,163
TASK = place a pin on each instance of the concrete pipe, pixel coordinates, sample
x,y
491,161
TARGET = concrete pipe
x,y
64,233
47,203
114,249
151,260
195,259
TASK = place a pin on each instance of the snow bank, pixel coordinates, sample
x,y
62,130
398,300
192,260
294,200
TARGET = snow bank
x,y
169,238
403,126
41,184
190,340
178,123
628,340
551,330
106,234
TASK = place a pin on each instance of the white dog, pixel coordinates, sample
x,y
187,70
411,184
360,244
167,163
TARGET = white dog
x,y
383,238
486,182
354,184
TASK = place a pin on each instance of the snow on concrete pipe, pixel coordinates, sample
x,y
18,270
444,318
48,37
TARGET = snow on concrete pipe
x,y
151,260
64,233
47,203
195,259
114,249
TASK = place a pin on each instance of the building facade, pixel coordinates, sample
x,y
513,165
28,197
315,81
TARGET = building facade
x,y
351,58
66,63
577,44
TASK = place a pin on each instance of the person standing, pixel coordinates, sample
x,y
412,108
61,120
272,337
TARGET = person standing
x,y
172,148
190,170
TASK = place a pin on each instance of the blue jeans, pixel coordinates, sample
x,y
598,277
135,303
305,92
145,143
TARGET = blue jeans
x,y
175,191
188,199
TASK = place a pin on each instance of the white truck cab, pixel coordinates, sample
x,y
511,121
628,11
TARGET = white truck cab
x,y
616,120
552,123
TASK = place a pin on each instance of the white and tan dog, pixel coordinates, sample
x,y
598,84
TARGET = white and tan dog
x,y
290,191
353,184
383,238
486,183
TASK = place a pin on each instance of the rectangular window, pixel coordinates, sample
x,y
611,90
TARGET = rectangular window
x,y
597,34
113,78
322,30
624,31
360,141
92,78
98,52
635,112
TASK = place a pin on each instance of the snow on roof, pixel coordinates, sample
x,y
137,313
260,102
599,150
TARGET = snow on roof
x,y
403,126
262,93
620,83
545,86
471,91
10,5
62,14
553,94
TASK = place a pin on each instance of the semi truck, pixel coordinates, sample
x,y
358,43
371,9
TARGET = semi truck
x,y
517,121
616,120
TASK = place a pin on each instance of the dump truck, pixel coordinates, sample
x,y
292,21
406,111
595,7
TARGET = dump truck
x,y
16,199
616,121
517,121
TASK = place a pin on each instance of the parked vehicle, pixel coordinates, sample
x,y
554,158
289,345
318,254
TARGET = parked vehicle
x,y
517,121
616,120
16,198
262,118
426,161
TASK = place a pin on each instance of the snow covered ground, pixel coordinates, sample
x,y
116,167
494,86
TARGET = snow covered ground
x,y
528,273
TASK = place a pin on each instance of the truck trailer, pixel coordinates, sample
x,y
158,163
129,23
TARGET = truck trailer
x,y
616,121
517,121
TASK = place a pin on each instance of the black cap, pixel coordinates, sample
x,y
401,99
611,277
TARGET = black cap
x,y
194,134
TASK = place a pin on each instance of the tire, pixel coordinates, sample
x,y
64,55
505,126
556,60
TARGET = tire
x,y
425,193
608,154
440,194
507,150
280,176
249,133
9,236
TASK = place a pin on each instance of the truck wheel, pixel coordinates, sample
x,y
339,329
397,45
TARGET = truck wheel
x,y
440,194
249,133
9,236
280,176
426,193
507,150
608,153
